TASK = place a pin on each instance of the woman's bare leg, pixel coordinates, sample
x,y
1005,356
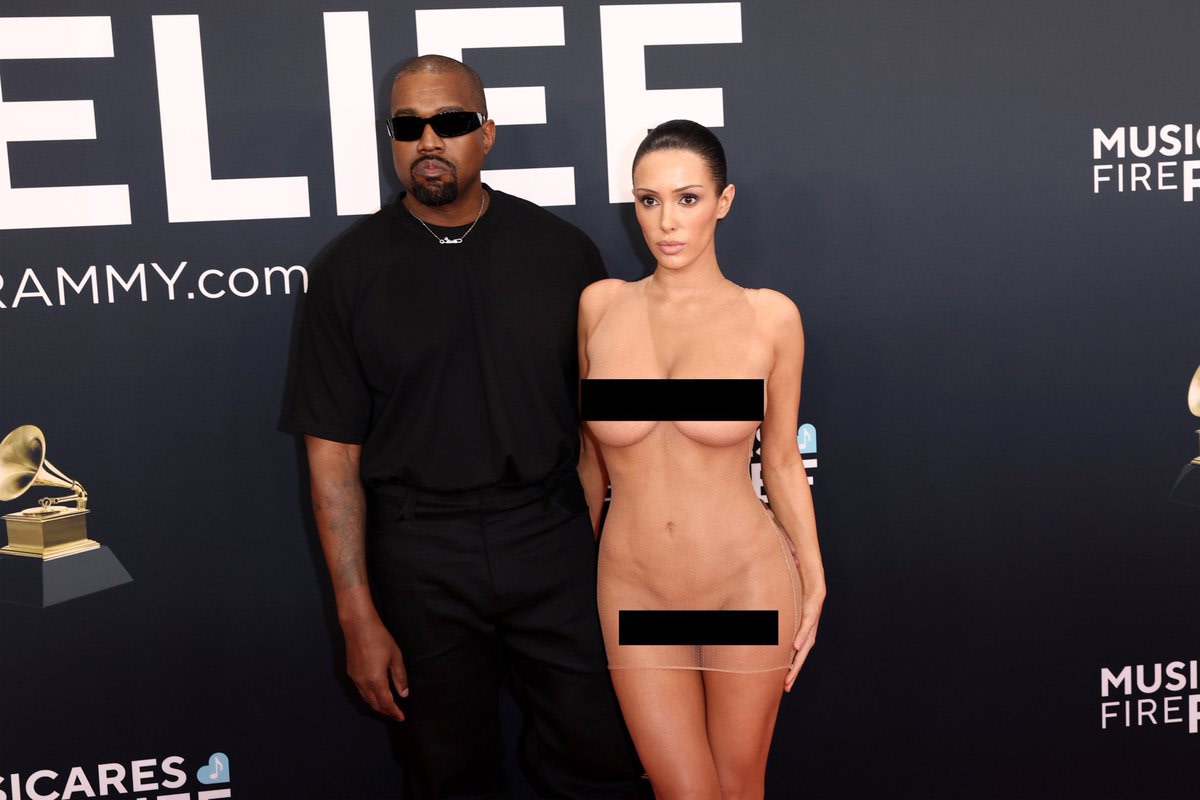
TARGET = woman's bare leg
x,y
664,710
741,711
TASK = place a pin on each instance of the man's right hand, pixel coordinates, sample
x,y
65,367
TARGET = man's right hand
x,y
340,509
374,663
373,660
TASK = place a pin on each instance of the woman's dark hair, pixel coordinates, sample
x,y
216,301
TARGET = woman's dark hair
x,y
683,134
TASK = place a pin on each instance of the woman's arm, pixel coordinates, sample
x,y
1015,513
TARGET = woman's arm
x,y
783,467
592,472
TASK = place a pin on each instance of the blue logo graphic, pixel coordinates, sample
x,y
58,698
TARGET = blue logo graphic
x,y
806,437
215,771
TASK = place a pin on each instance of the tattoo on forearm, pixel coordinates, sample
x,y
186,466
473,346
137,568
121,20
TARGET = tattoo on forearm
x,y
339,508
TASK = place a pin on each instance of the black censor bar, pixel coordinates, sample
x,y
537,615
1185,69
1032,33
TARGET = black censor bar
x,y
698,627
671,399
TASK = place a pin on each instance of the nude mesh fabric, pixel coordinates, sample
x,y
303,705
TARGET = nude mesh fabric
x,y
686,531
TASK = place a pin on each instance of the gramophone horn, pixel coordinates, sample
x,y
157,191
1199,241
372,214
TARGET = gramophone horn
x,y
1194,394
23,464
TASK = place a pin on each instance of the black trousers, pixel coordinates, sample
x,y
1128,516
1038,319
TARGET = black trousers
x,y
476,592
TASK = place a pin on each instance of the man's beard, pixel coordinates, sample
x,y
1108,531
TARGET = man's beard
x,y
434,194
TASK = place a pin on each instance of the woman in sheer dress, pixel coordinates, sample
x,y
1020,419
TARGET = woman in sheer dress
x,y
686,530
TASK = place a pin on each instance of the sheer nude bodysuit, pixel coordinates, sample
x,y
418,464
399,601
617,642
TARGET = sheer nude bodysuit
x,y
685,529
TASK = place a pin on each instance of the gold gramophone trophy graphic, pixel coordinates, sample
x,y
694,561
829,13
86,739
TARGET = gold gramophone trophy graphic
x,y
1187,486
49,557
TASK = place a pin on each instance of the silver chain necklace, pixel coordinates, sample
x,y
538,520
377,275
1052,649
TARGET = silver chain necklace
x,y
447,239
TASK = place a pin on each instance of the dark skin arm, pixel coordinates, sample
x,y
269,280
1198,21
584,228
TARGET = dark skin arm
x,y
592,475
340,509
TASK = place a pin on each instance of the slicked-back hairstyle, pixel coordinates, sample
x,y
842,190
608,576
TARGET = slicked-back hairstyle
x,y
683,134
435,64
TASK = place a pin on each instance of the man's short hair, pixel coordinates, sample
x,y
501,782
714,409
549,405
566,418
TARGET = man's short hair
x,y
435,64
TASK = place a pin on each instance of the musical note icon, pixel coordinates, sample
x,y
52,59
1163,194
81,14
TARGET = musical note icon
x,y
215,771
806,438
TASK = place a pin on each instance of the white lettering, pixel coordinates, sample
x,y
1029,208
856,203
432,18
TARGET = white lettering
x,y
630,109
138,276
38,291
1146,709
1142,152
1143,686
204,277
142,771
192,193
33,780
450,31
170,282
1193,713
286,272
1190,181
1169,136
1171,704
1097,178
253,282
1139,173
352,111
1101,142
171,766
1119,681
1176,680
88,277
212,794
77,781
1106,715
112,776
1166,172
54,120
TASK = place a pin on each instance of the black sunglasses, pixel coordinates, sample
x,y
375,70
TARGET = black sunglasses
x,y
448,124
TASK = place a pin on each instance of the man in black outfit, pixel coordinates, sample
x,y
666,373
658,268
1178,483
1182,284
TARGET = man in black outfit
x,y
436,385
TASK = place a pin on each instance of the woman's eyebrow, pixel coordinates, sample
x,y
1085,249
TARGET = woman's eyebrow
x,y
677,191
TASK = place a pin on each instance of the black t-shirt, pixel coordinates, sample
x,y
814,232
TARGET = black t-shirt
x,y
454,366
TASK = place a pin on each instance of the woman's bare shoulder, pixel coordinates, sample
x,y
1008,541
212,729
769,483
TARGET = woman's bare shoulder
x,y
600,292
595,302
598,296
777,311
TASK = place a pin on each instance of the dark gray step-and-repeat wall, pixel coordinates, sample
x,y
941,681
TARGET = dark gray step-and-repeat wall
x,y
984,210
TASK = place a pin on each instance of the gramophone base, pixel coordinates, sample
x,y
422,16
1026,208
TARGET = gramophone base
x,y
1187,487
34,582
51,553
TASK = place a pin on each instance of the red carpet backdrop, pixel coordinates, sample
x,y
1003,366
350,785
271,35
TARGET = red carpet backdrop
x,y
986,212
